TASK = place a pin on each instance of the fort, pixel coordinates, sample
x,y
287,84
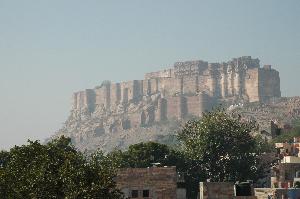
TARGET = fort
x,y
188,88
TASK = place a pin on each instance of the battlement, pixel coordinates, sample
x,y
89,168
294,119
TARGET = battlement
x,y
244,61
189,68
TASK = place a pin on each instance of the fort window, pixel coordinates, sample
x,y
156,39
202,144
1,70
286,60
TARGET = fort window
x,y
134,194
146,194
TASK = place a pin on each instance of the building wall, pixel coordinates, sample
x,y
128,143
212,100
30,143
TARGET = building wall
x,y
283,176
173,107
269,83
84,99
252,85
103,96
190,85
170,86
218,190
162,110
264,193
160,181
115,94
196,105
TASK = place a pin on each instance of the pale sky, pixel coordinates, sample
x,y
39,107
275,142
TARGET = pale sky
x,y
52,48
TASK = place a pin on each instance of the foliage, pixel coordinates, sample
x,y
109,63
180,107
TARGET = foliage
x,y
263,145
143,155
288,136
223,146
218,146
55,170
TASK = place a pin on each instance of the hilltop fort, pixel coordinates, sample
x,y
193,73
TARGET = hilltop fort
x,y
187,89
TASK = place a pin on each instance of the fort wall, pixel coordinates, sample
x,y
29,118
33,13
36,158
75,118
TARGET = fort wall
x,y
269,83
189,88
252,85
115,94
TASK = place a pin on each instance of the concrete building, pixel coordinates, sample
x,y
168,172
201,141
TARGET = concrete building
x,y
150,183
287,172
277,193
226,190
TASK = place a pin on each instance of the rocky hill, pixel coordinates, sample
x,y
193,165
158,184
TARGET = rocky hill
x,y
115,115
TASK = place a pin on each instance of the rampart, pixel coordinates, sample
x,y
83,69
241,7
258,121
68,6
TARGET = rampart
x,y
189,88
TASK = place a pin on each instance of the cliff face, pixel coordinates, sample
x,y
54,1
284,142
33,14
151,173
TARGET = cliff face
x,y
118,114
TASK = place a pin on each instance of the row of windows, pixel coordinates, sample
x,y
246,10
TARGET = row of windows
x,y
135,193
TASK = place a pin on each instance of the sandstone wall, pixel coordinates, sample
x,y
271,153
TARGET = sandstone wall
x,y
196,105
224,190
252,85
269,83
84,99
115,94
189,88
170,86
150,86
160,181
173,110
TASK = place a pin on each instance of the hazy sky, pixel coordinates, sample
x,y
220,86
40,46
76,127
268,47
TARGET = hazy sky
x,y
49,49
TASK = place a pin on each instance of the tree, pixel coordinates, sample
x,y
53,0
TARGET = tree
x,y
55,170
223,146
142,155
288,136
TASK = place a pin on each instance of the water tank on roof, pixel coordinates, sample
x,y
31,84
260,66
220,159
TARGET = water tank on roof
x,y
243,189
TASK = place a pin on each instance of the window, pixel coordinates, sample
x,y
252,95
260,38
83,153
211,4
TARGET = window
x,y
146,194
134,194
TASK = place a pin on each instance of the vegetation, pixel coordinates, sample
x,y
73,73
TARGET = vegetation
x,y
218,146
143,155
55,170
223,146
288,136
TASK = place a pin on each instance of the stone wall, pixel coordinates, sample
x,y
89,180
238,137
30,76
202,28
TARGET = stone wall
x,y
189,88
173,110
161,182
269,83
252,85
218,190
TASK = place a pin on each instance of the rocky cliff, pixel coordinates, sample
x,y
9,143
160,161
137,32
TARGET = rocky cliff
x,y
115,115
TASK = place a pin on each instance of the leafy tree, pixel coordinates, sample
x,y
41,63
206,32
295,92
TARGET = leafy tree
x,y
55,170
223,146
142,155
288,136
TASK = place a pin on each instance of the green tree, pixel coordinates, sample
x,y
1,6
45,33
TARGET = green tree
x,y
142,155
288,136
223,146
55,170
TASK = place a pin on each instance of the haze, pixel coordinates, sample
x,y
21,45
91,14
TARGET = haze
x,y
50,49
